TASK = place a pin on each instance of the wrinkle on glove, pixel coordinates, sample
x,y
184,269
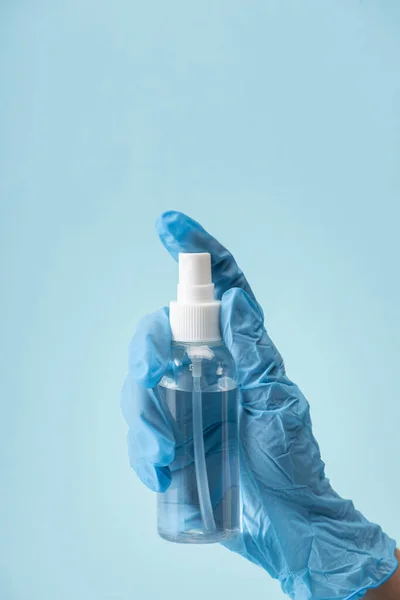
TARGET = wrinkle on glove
x,y
295,526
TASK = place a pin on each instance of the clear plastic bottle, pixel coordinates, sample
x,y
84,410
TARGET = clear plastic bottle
x,y
198,394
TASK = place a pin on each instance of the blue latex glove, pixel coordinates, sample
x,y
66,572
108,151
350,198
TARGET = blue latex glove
x,y
294,524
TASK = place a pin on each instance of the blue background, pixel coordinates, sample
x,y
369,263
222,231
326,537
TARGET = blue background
x,y
274,123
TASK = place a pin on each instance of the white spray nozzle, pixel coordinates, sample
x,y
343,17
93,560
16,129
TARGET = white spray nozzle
x,y
194,316
195,268
195,284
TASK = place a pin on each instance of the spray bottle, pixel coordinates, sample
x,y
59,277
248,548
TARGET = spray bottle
x,y
199,397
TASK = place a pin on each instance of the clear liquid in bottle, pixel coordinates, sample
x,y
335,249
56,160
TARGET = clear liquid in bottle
x,y
181,515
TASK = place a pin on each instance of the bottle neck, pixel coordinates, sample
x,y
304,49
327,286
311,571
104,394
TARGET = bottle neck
x,y
212,344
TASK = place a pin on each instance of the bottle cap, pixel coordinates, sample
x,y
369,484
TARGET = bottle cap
x,y
194,316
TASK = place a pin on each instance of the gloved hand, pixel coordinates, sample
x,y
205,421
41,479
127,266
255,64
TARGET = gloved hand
x,y
294,524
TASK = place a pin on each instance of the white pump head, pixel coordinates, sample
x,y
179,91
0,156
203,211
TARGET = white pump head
x,y
194,316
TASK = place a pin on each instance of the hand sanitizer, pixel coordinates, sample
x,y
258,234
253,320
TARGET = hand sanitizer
x,y
199,397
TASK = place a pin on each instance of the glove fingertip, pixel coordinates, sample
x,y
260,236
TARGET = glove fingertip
x,y
172,226
180,233
163,230
163,479
156,479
